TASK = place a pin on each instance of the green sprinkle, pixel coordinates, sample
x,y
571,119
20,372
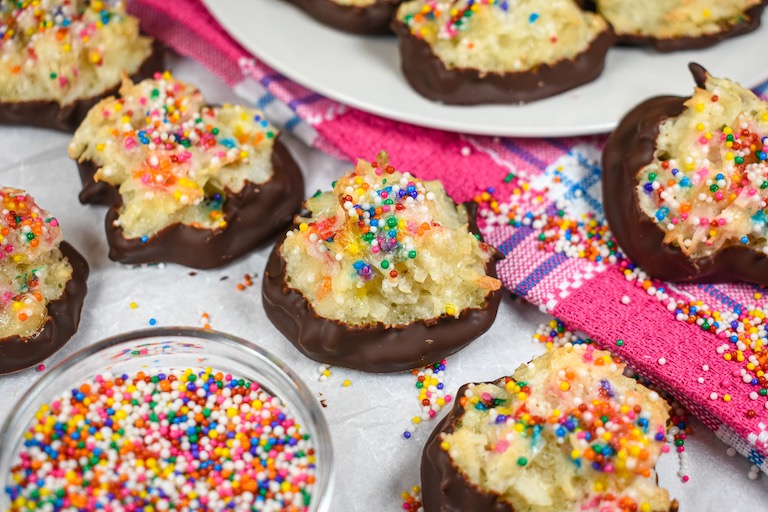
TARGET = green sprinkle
x,y
522,461
651,176
385,264
619,343
411,254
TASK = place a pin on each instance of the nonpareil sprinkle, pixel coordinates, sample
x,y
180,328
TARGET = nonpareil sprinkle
x,y
164,440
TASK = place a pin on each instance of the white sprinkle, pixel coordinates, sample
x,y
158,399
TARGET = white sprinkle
x,y
465,151
625,300
662,361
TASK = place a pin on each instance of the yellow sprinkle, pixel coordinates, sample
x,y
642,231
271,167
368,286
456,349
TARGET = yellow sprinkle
x,y
415,420
522,396
700,107
706,13
727,130
303,227
645,507
700,127
133,305
450,310
726,398
445,445
118,107
346,383
565,386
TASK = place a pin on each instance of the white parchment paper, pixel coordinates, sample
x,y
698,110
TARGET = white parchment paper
x,y
374,463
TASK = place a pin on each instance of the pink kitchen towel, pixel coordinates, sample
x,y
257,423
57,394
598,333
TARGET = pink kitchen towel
x,y
541,206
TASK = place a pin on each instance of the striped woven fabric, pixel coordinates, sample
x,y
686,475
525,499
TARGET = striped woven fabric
x,y
541,206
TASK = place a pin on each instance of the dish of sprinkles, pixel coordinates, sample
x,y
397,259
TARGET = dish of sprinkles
x,y
712,191
186,440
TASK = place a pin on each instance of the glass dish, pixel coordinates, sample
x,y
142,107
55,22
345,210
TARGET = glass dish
x,y
177,348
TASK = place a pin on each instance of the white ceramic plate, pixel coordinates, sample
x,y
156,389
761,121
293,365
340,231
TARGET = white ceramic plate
x,y
364,72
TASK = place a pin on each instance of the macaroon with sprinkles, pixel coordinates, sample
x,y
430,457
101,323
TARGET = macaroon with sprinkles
x,y
470,52
566,432
685,183
384,273
674,25
186,182
60,57
42,283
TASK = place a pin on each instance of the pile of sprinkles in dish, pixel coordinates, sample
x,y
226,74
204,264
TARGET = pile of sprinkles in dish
x,y
32,269
386,247
65,49
708,182
173,157
164,440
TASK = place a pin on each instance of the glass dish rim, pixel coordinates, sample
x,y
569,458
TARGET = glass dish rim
x,y
326,477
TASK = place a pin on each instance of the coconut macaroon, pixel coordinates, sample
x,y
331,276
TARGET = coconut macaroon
x,y
686,182
384,274
59,57
367,17
670,25
567,432
42,283
470,52
187,182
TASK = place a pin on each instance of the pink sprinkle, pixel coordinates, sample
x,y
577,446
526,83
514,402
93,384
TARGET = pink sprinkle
x,y
703,221
130,142
685,478
721,221
719,197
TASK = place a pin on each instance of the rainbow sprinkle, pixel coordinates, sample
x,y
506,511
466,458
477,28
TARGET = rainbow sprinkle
x,y
164,440
430,381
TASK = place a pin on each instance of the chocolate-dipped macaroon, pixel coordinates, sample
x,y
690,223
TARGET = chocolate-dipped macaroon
x,y
186,182
685,184
59,58
42,283
531,441
674,25
367,17
383,274
466,53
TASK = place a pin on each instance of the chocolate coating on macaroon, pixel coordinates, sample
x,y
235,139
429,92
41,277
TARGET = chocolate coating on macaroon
x,y
17,353
748,23
66,118
373,19
429,76
255,215
630,148
373,348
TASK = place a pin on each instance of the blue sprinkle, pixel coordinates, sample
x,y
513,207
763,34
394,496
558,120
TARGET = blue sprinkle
x,y
144,239
744,240
685,182
407,434
533,17
152,321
